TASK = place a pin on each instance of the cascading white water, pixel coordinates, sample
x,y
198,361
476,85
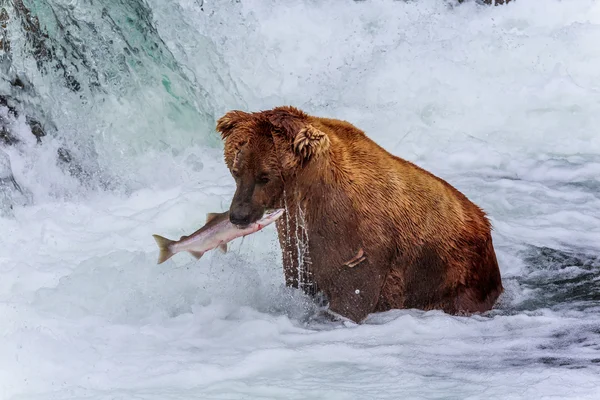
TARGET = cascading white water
x,y
503,102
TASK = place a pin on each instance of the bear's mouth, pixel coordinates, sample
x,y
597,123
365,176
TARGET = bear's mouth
x,y
242,226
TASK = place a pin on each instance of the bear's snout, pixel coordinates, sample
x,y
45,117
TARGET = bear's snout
x,y
241,215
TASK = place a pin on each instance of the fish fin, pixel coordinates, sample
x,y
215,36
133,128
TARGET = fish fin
x,y
164,245
223,247
197,254
211,216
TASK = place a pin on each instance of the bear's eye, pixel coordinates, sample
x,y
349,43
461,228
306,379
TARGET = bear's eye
x,y
263,179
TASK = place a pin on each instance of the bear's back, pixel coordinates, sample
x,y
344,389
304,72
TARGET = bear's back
x,y
405,192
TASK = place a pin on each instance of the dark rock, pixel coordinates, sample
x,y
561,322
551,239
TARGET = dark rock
x,y
5,103
6,137
36,128
64,155
17,82
74,168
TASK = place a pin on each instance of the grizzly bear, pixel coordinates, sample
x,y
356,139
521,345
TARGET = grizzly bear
x,y
369,230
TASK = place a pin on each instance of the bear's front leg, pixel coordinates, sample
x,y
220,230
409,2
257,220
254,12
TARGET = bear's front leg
x,y
354,290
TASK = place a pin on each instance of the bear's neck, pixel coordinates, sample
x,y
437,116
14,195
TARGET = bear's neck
x,y
320,192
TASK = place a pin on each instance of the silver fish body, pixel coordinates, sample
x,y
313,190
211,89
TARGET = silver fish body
x,y
217,232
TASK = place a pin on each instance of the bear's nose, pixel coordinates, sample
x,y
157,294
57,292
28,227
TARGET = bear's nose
x,y
239,217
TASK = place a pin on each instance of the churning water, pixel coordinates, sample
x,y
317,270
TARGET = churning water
x,y
107,111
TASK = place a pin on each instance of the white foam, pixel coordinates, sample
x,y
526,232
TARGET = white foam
x,y
501,101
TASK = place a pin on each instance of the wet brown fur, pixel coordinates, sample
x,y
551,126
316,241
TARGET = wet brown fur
x,y
426,246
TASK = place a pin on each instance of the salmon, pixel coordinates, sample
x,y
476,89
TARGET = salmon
x,y
217,232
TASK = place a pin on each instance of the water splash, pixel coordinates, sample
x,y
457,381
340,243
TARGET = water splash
x,y
99,89
304,260
296,246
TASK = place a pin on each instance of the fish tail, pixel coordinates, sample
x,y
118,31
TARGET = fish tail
x,y
164,245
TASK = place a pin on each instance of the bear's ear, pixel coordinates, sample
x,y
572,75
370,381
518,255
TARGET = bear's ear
x,y
227,122
310,142
307,141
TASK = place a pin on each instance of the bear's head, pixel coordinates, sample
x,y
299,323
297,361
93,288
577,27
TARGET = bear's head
x,y
264,152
